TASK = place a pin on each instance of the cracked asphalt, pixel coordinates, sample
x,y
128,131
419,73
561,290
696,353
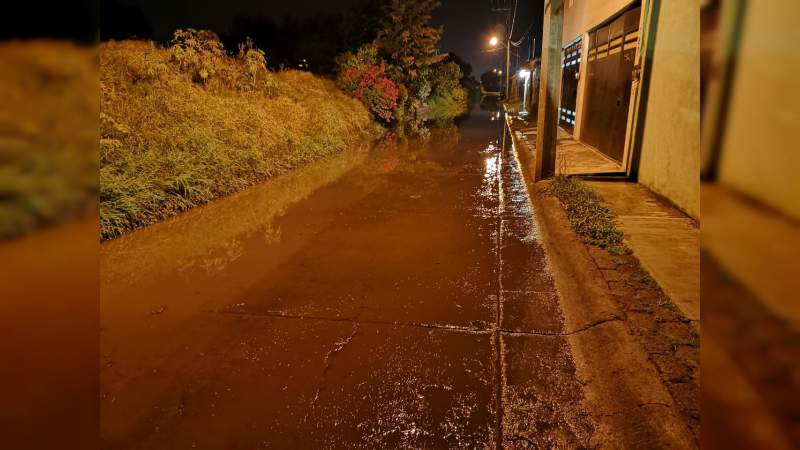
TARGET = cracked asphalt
x,y
395,297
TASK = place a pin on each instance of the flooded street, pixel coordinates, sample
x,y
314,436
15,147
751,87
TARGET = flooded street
x,y
395,297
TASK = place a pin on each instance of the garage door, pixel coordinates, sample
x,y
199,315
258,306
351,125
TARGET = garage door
x,y
612,49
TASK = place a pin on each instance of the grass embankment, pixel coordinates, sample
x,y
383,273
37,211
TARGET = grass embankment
x,y
180,127
48,134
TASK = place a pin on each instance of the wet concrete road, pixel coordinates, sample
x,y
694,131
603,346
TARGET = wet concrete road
x,y
388,298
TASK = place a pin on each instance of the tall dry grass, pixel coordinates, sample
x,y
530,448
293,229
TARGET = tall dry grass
x,y
171,140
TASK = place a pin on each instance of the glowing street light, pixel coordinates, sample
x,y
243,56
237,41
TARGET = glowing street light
x,y
494,41
524,74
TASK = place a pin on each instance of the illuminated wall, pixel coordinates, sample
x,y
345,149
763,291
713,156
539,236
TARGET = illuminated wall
x,y
670,147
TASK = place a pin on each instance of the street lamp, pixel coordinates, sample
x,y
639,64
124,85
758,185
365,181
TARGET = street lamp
x,y
493,41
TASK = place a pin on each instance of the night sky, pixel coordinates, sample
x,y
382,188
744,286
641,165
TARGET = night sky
x,y
467,23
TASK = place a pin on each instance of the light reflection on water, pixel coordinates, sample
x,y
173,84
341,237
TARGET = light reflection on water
x,y
491,170
209,238
488,193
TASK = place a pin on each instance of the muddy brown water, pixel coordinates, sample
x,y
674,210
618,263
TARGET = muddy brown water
x,y
389,297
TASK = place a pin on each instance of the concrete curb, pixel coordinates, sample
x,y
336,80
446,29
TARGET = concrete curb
x,y
630,406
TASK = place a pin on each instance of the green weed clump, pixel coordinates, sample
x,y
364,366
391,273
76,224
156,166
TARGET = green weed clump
x,y
183,125
591,219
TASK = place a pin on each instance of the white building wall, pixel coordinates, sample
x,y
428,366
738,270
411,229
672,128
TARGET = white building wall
x,y
582,15
670,147
755,157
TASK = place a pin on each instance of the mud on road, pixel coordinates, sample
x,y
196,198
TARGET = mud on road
x,y
395,297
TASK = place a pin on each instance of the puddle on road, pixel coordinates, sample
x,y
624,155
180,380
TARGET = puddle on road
x,y
207,239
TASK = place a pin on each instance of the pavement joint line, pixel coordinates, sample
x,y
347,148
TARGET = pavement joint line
x,y
498,360
594,324
520,291
451,328
356,321
560,334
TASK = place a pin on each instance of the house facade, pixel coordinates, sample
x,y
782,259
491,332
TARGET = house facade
x,y
627,87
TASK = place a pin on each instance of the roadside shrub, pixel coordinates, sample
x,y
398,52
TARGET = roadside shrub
x,y
445,77
433,95
443,108
401,76
256,74
449,100
198,51
364,76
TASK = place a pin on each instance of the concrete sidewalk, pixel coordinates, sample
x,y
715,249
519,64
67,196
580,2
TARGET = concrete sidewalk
x,y
636,353
573,157
666,241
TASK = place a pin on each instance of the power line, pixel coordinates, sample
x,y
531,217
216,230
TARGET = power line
x,y
513,21
525,35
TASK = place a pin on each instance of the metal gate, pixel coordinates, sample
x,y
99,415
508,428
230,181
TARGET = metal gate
x,y
612,49
570,68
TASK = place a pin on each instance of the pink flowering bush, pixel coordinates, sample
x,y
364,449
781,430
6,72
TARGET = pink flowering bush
x,y
366,79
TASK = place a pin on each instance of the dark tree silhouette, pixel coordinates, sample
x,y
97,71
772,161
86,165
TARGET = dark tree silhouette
x,y
363,21
76,20
491,81
466,68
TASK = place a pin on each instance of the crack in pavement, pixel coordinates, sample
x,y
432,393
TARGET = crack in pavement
x,y
338,346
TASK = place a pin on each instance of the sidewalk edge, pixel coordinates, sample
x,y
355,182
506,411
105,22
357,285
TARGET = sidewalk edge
x,y
624,395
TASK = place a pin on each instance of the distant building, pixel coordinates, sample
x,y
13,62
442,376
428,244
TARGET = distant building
x,y
524,92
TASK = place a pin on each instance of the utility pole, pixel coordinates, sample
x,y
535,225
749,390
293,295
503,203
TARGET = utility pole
x,y
504,6
549,90
508,65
